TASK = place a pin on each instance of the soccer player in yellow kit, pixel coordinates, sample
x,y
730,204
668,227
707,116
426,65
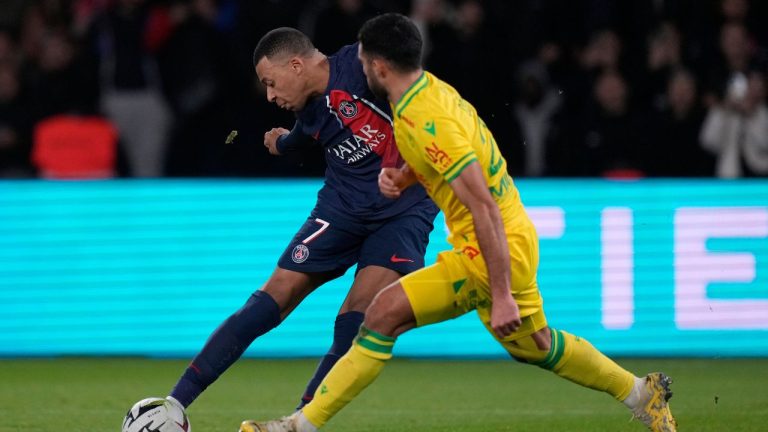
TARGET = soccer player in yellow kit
x,y
492,267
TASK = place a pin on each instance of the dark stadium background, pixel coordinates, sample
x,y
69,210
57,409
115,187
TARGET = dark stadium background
x,y
569,87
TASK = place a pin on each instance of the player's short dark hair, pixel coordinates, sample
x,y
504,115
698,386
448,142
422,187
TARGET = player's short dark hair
x,y
395,38
282,40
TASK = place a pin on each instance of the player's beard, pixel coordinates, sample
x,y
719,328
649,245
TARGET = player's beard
x,y
377,89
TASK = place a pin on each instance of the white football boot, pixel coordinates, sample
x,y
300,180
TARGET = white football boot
x,y
295,422
652,408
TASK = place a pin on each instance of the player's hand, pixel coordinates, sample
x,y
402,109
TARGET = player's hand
x,y
270,139
390,182
505,316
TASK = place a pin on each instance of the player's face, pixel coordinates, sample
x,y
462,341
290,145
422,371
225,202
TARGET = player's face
x,y
284,82
370,74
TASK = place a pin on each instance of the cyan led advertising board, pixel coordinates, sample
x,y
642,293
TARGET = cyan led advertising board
x,y
651,268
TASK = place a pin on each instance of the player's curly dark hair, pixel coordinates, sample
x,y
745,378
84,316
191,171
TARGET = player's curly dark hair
x,y
282,40
395,38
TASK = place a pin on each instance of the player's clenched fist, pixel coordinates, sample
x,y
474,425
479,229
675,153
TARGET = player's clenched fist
x,y
392,181
505,316
388,182
270,139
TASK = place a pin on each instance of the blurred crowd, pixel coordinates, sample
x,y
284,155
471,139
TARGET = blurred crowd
x,y
610,88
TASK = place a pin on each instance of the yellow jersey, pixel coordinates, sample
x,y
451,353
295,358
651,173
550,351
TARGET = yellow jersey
x,y
439,134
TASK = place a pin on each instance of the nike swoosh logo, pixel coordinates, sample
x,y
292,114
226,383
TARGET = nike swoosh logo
x,y
396,259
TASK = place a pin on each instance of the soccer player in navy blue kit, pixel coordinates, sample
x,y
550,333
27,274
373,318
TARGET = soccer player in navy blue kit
x,y
351,222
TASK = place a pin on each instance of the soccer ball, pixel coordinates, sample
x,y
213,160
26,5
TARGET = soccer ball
x,y
156,415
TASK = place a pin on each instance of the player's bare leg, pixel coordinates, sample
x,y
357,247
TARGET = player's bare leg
x,y
389,315
368,282
289,288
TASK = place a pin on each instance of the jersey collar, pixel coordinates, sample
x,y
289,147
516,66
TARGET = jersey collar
x,y
414,89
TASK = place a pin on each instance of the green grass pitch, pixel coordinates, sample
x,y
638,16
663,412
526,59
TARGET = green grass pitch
x,y
92,395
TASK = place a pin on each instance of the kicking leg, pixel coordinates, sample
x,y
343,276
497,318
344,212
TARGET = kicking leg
x,y
368,282
427,296
263,311
389,315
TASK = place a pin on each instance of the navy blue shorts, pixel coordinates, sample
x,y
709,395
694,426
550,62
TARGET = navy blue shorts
x,y
330,241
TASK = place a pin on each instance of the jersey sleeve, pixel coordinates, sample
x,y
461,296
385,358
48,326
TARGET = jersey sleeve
x,y
446,147
294,140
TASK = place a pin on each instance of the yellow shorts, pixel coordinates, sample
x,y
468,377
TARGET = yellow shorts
x,y
458,283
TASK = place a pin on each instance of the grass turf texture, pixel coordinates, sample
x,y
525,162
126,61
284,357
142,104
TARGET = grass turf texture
x,y
92,395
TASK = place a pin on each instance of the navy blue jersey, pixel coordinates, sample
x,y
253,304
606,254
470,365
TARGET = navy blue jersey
x,y
355,131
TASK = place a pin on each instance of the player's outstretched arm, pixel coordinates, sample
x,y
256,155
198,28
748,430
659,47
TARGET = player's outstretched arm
x,y
280,140
471,189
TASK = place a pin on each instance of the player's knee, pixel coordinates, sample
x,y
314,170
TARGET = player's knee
x,y
357,303
287,288
388,312
368,283
543,339
530,349
378,319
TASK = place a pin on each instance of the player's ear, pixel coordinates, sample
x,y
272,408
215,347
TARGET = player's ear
x,y
296,65
379,68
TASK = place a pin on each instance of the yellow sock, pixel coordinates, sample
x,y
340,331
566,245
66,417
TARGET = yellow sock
x,y
575,359
349,376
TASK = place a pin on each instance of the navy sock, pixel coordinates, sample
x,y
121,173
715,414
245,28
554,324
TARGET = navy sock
x,y
344,332
228,342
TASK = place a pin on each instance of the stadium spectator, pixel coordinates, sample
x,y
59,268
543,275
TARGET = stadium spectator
x,y
535,113
139,59
603,52
60,80
475,45
32,31
426,13
468,35
736,131
736,57
749,13
127,38
431,18
674,148
193,62
664,57
337,23
610,143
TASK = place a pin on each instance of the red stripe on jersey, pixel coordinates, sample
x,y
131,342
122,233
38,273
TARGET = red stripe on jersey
x,y
366,125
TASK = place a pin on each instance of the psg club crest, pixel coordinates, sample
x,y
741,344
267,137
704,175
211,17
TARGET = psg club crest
x,y
300,254
347,109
